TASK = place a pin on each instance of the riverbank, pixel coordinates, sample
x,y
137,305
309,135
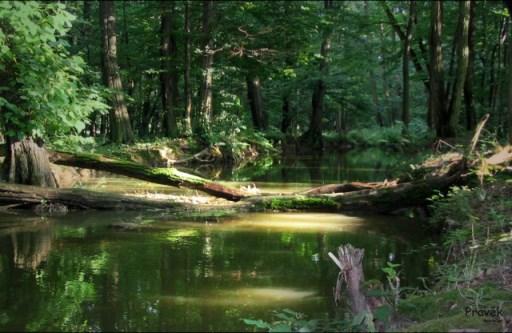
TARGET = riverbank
x,y
472,286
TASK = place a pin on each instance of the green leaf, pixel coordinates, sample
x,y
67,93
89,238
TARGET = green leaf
x,y
281,328
383,313
258,323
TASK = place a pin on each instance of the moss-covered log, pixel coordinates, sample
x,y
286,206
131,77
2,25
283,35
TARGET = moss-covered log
x,y
381,200
164,176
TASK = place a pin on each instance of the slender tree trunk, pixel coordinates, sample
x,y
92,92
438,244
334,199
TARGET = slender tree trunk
x,y
406,99
86,25
509,64
402,36
167,75
373,80
384,74
120,127
468,86
437,95
186,77
286,119
462,67
202,126
85,29
312,138
255,101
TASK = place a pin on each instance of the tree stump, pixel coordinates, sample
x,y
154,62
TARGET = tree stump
x,y
27,163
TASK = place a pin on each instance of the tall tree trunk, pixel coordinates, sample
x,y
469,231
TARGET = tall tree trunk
x,y
167,74
373,79
186,77
85,30
202,126
255,101
406,99
86,25
384,74
402,36
462,67
120,127
286,119
509,63
437,92
27,162
312,139
468,85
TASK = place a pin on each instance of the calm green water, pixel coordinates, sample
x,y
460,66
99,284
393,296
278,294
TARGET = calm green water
x,y
78,273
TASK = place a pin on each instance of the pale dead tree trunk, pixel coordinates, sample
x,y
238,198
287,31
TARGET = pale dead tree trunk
x,y
167,75
120,130
350,263
204,113
406,98
186,77
468,85
462,67
437,92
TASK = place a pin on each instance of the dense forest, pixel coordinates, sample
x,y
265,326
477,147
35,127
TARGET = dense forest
x,y
256,107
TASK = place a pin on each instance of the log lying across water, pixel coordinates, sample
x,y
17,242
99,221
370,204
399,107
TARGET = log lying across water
x,y
164,176
18,196
384,199
434,175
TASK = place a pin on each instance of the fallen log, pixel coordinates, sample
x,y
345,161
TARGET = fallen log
x,y
349,187
16,196
434,175
164,176
381,197
370,200
381,200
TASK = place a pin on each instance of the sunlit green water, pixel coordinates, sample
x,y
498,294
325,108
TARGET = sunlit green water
x,y
78,273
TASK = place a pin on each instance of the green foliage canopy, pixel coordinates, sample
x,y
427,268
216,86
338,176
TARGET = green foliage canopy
x,y
40,89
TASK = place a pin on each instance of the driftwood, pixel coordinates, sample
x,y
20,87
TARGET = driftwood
x,y
350,187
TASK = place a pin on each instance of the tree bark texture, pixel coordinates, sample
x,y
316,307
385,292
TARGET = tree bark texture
x,y
206,108
437,86
186,77
406,98
120,130
468,84
27,163
450,130
168,70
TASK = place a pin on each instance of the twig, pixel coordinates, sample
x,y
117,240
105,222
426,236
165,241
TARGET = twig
x,y
478,131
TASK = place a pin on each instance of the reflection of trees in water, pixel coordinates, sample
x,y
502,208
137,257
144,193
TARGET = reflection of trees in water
x,y
314,167
30,249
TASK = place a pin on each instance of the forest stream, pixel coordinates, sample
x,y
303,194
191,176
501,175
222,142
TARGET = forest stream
x,y
81,271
